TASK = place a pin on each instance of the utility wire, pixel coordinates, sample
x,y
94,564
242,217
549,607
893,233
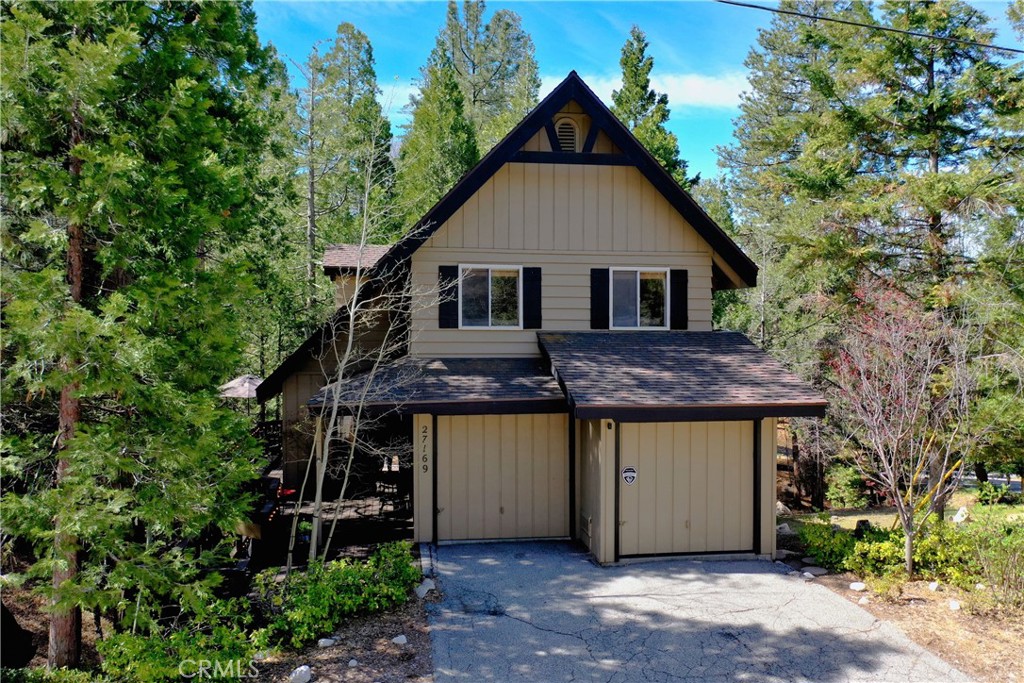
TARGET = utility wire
x,y
876,27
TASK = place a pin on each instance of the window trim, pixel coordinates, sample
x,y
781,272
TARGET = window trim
x,y
519,294
639,269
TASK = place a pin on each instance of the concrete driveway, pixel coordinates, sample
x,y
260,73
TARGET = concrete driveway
x,y
543,612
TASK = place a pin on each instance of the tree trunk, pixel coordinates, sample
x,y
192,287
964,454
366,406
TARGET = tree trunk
x,y
311,198
980,472
908,554
66,623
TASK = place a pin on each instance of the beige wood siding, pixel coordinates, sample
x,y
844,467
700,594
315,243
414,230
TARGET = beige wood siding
x,y
769,447
502,476
423,478
566,220
596,476
694,488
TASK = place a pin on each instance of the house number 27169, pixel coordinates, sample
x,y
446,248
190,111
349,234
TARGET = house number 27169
x,y
424,452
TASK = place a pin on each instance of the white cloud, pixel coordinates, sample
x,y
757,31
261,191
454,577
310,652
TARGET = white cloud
x,y
719,91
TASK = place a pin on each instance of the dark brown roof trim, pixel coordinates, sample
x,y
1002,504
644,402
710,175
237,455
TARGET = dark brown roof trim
x,y
696,413
516,407
573,88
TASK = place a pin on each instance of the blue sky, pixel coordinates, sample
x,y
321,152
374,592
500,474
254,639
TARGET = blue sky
x,y
698,50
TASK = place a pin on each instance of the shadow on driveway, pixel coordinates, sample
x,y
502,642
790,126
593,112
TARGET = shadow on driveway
x,y
544,612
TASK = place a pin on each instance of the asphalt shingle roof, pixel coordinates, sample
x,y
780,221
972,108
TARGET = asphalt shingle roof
x,y
348,256
638,369
412,381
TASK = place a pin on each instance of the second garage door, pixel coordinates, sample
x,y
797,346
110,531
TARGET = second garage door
x,y
502,476
692,487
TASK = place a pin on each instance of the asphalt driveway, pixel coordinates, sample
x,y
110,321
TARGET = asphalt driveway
x,y
543,612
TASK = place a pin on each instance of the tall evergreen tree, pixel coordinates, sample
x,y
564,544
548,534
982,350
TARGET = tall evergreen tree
x,y
132,139
645,111
341,133
495,68
439,145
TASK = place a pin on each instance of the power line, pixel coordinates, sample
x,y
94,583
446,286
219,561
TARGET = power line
x,y
875,27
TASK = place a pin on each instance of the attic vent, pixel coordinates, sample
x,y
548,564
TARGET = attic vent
x,y
566,130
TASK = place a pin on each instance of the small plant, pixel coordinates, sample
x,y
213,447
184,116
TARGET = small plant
x,y
828,546
991,494
308,604
846,487
999,552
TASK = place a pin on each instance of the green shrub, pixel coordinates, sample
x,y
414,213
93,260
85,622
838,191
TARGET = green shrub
x,y
828,546
845,487
46,676
878,554
309,604
991,494
999,553
217,636
946,552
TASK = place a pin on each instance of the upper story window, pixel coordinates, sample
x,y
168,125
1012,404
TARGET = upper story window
x,y
568,135
639,298
490,297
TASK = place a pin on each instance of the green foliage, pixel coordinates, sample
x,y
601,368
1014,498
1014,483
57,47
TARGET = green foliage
x,y
994,494
217,633
645,111
845,487
50,676
139,125
829,546
999,553
440,143
306,605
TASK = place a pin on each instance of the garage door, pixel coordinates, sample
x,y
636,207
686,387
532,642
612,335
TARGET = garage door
x,y
502,476
692,489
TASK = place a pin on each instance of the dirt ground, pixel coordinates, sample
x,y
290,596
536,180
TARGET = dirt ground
x,y
987,648
367,640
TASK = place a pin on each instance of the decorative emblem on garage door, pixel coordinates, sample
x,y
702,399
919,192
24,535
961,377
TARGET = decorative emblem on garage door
x,y
629,474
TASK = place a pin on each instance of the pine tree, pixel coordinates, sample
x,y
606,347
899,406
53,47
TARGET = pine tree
x,y
439,146
132,140
644,111
495,68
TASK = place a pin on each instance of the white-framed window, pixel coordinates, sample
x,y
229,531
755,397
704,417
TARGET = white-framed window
x,y
568,134
491,297
638,298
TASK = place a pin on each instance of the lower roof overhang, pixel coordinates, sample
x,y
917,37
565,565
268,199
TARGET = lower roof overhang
x,y
668,376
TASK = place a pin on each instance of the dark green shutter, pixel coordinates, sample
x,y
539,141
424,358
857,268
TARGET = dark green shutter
x,y
599,298
532,314
679,317
448,290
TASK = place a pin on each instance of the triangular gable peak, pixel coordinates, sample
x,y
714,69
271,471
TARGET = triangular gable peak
x,y
571,129
572,98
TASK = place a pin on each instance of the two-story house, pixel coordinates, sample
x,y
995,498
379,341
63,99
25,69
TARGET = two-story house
x,y
568,382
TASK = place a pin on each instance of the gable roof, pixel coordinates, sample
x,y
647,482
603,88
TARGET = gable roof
x,y
346,258
574,89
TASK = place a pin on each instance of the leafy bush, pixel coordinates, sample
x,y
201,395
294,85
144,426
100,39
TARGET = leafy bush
x,y
828,546
46,676
990,494
878,554
217,635
845,487
306,605
999,553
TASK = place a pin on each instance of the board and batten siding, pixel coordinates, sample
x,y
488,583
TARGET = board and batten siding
x,y
565,219
498,476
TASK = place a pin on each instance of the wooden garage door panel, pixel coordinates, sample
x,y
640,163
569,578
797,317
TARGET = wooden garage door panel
x,y
694,488
502,476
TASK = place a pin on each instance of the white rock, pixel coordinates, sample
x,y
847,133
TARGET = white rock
x,y
259,656
400,640
979,586
352,663
781,509
954,605
784,530
326,642
961,516
864,601
301,675
424,588
858,586
933,586
807,575
815,571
